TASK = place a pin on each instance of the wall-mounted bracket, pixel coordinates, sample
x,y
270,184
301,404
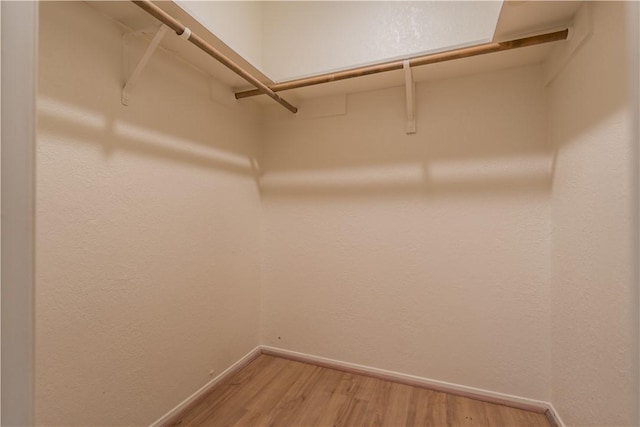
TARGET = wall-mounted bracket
x,y
135,74
410,93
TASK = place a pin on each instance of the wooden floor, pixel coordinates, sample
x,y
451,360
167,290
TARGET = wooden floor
x,y
272,391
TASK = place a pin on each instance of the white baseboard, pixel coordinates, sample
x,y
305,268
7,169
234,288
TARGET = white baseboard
x,y
554,417
457,389
245,360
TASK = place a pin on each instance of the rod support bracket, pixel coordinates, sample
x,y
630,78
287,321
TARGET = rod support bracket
x,y
185,34
410,94
142,63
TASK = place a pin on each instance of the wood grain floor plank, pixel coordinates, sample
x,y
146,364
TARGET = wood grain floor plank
x,y
272,391
378,404
222,392
361,398
288,400
239,389
397,409
315,404
337,399
430,408
462,411
294,400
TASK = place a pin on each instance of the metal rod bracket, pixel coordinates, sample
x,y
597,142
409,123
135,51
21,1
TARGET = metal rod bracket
x,y
142,63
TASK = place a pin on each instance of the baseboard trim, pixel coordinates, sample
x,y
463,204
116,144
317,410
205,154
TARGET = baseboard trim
x,y
553,417
456,389
459,390
171,416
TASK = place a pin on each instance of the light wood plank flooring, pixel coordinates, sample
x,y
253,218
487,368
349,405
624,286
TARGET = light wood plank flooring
x,y
272,391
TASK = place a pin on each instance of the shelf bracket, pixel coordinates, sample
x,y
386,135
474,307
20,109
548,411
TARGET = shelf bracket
x,y
410,94
135,74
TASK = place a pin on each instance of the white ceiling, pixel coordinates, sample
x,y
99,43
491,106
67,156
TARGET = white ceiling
x,y
315,37
520,18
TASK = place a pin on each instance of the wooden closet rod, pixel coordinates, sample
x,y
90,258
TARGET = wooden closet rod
x,y
432,58
180,29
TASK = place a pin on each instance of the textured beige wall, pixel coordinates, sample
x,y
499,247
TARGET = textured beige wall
x,y
147,230
425,254
593,306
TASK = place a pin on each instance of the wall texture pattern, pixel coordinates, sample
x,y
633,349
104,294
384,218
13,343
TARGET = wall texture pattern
x,y
426,254
147,272
492,249
593,309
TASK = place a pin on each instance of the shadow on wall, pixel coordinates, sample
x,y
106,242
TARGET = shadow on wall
x,y
199,132
83,126
474,136
479,134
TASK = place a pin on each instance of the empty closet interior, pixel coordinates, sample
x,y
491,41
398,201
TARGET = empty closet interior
x,y
468,223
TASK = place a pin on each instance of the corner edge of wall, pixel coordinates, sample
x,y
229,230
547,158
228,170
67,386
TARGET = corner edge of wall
x,y
553,417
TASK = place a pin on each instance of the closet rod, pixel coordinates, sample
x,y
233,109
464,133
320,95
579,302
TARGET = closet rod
x,y
432,58
185,33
